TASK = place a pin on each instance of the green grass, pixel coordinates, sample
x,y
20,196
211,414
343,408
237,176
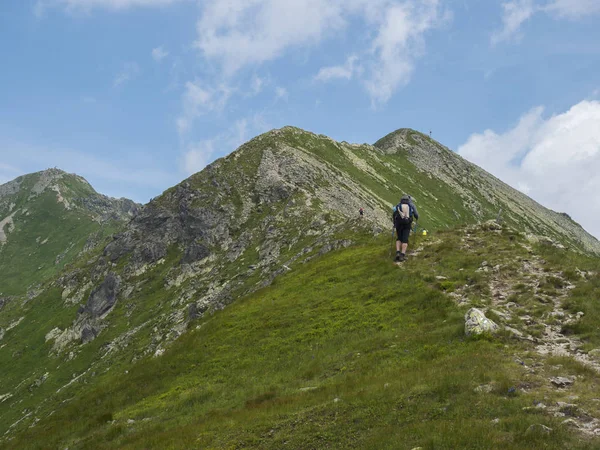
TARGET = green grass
x,y
584,297
29,257
347,351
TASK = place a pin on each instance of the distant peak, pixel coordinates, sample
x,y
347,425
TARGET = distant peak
x,y
287,129
53,171
404,138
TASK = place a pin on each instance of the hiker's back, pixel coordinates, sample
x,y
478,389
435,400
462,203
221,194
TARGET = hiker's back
x,y
403,213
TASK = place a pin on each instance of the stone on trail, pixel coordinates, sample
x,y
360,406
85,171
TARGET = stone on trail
x,y
539,428
484,388
561,382
570,423
594,354
476,323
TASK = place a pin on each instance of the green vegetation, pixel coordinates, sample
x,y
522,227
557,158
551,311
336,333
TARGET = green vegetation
x,y
347,351
582,271
31,253
46,235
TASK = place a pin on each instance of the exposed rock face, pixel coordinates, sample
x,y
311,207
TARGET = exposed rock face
x,y
88,334
104,297
11,188
476,323
109,208
194,253
150,252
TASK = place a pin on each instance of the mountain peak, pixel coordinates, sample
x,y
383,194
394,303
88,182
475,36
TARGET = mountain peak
x,y
406,139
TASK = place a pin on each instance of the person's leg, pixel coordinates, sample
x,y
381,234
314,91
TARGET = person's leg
x,y
398,243
404,238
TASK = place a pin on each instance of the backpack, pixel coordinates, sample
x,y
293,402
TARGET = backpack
x,y
403,213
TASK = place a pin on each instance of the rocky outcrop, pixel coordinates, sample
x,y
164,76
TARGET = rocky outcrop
x,y
477,324
104,297
194,253
109,208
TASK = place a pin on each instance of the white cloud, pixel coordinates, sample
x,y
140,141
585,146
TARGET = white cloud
x,y
159,53
516,13
242,32
130,71
555,160
346,71
198,100
257,84
238,33
398,43
281,93
199,154
573,9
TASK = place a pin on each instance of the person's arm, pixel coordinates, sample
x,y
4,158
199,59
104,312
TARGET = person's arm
x,y
416,212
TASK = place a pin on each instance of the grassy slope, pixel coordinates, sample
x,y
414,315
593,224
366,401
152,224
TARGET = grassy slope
x,y
177,396
26,260
381,350
25,356
433,196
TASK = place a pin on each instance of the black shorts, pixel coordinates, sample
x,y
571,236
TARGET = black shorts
x,y
403,231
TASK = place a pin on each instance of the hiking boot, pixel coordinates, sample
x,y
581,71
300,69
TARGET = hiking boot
x,y
397,257
402,257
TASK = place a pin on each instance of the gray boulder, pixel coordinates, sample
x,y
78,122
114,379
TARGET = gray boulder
x,y
195,311
150,252
195,252
104,297
88,333
476,323
121,245
562,382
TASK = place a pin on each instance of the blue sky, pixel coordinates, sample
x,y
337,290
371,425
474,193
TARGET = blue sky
x,y
135,95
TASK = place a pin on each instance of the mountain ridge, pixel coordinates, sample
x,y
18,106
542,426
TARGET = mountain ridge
x,y
276,205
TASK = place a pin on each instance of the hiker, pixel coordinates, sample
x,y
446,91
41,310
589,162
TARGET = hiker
x,y
404,212
361,212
